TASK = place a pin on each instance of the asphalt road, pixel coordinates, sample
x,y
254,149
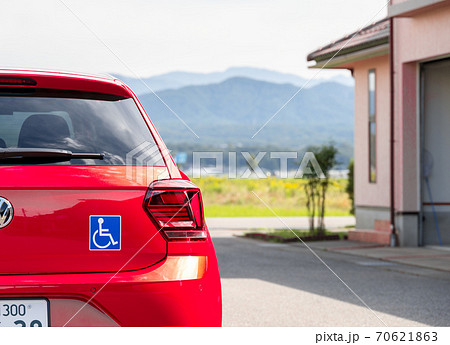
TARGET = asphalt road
x,y
265,284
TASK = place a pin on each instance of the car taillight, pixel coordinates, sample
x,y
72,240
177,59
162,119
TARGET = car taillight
x,y
176,206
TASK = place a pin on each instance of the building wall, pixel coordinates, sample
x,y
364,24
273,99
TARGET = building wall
x,y
369,194
423,37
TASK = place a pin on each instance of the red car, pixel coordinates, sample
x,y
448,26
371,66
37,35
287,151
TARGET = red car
x,y
98,227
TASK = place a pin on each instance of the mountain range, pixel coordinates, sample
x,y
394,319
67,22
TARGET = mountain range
x,y
176,80
249,109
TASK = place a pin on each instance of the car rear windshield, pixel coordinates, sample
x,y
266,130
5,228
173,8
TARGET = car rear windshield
x,y
79,122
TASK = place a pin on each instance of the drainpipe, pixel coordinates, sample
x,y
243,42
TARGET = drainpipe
x,y
393,237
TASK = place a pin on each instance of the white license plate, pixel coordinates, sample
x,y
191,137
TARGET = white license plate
x,y
24,312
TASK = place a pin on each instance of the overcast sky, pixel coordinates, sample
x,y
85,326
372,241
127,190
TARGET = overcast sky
x,y
155,37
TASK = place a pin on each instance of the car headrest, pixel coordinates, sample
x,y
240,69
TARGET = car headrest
x,y
43,130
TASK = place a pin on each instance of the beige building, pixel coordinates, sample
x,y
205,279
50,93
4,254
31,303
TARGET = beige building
x,y
401,67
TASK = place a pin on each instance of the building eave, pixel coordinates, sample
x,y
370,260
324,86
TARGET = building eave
x,y
371,38
411,8
344,60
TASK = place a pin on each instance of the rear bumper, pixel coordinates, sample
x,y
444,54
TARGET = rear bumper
x,y
179,291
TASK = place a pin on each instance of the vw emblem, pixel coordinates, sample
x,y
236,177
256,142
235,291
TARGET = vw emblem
x,y
6,212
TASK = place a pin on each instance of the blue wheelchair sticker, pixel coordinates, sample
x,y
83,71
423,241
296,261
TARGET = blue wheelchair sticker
x,y
104,232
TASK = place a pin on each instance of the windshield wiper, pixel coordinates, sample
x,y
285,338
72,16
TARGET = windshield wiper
x,y
46,155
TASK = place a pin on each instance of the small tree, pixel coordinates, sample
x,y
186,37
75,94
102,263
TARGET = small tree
x,y
327,160
311,197
316,187
350,185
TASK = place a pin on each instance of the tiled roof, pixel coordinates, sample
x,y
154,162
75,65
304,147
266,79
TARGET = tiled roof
x,y
370,36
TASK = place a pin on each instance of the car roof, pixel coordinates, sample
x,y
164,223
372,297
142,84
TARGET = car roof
x,y
51,79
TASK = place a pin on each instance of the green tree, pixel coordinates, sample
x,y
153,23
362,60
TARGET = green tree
x,y
311,193
327,160
350,185
317,186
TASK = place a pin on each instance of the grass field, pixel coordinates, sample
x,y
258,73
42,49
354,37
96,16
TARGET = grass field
x,y
224,197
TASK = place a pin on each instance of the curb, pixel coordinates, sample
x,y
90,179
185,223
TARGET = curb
x,y
277,238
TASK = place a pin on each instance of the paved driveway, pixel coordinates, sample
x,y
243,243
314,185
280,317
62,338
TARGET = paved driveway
x,y
267,284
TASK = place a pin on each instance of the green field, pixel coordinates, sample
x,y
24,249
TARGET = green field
x,y
224,197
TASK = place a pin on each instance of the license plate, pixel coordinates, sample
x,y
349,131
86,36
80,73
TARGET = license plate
x,y
24,312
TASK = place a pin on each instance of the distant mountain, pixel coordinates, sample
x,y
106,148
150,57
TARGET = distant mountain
x,y
231,112
176,80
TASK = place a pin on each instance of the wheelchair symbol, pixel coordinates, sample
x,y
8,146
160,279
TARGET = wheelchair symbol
x,y
103,238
